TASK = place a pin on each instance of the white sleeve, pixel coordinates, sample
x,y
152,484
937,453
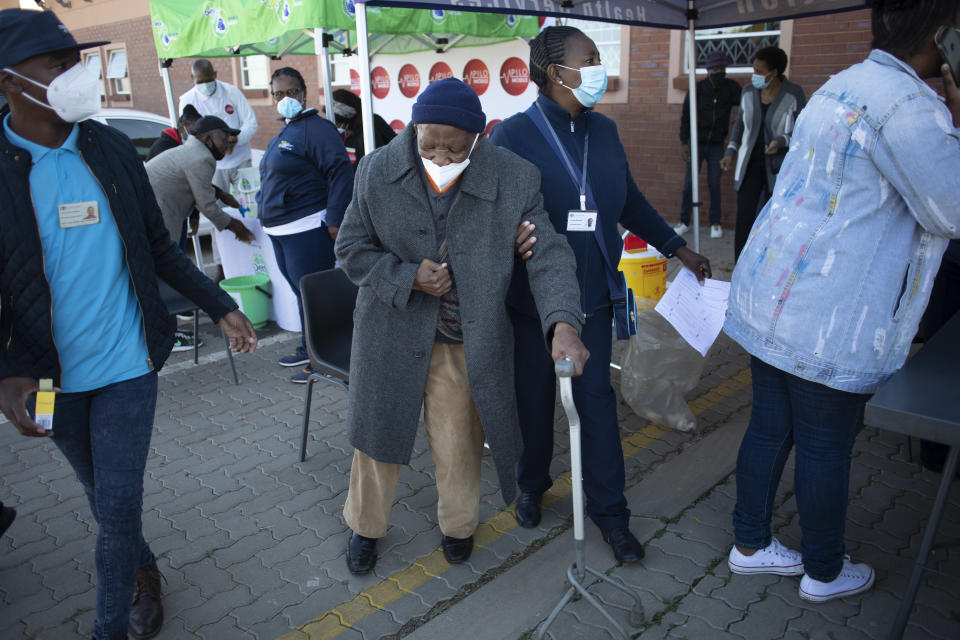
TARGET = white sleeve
x,y
247,117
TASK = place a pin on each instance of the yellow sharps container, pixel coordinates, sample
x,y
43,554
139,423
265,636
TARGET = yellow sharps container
x,y
645,270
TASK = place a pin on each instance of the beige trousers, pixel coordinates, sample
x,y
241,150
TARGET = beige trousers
x,y
455,437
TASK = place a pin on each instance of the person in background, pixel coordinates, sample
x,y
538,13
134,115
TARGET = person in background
x,y
429,240
830,288
769,106
717,95
81,305
306,182
212,97
565,65
346,109
174,137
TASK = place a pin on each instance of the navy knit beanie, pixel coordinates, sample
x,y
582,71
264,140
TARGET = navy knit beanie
x,y
450,101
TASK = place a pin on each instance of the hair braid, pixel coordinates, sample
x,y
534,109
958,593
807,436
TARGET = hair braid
x,y
549,47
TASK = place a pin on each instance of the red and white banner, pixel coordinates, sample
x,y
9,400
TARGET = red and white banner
x,y
514,76
477,75
379,82
409,81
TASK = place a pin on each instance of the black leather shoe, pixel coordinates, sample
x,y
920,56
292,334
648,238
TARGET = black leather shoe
x,y
626,547
146,615
528,509
361,554
457,550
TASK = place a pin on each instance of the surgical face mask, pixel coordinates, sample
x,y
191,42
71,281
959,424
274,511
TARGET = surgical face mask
x,y
443,177
593,84
207,88
289,107
759,81
73,95
342,130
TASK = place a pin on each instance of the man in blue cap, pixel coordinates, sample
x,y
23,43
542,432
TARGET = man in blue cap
x,y
717,95
82,243
430,239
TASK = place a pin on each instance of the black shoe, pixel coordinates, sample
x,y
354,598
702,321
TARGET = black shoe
x,y
457,550
626,548
361,554
146,615
528,509
7,515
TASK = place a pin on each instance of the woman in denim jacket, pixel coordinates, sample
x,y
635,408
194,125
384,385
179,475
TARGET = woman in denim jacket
x,y
835,275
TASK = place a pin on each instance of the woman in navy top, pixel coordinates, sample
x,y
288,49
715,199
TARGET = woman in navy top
x,y
306,182
565,65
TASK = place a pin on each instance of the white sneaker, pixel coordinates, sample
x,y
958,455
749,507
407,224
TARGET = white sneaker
x,y
774,558
716,231
853,579
681,229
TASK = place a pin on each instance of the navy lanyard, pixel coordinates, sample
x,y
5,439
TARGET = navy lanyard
x,y
568,161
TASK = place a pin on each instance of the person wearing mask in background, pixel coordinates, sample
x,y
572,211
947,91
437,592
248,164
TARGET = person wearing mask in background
x,y
429,240
79,265
174,137
565,65
306,182
212,97
346,109
830,288
769,106
717,95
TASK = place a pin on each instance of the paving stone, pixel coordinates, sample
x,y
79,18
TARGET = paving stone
x,y
211,610
680,568
700,554
226,627
267,607
696,629
765,619
288,547
205,575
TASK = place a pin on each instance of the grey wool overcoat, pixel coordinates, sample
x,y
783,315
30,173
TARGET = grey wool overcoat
x,y
386,233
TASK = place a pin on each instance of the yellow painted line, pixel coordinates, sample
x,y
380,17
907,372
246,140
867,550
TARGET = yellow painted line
x,y
406,581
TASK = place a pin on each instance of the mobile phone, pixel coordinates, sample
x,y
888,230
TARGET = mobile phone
x,y
948,42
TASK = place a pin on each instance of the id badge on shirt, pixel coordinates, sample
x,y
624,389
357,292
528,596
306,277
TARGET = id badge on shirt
x,y
581,220
79,214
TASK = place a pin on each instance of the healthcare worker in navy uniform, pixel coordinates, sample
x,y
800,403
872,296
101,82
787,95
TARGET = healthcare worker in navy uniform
x,y
565,65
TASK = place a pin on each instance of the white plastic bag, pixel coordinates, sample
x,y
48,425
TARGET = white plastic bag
x,y
659,368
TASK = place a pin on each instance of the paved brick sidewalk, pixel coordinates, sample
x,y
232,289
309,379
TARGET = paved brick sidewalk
x,y
252,542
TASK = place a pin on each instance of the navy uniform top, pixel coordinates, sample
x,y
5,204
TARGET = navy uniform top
x,y
618,199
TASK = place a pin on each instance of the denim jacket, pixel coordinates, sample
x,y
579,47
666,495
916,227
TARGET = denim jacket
x,y
839,265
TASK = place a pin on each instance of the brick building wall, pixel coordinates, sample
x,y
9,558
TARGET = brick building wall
x,y
649,121
650,126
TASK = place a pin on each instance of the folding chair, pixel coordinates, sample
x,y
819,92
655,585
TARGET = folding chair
x,y
328,298
178,303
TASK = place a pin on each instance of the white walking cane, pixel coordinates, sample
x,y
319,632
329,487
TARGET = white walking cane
x,y
578,571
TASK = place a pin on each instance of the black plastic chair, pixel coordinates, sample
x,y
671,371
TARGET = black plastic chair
x,y
328,299
178,303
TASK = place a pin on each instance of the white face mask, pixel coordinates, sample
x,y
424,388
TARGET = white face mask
x,y
444,176
73,95
207,88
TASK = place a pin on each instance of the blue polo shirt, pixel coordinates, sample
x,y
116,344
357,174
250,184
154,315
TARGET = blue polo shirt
x,y
97,326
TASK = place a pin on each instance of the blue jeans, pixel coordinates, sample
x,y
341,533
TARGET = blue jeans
x,y
822,423
712,153
602,452
302,253
105,436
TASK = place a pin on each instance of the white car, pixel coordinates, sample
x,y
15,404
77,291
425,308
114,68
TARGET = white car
x,y
142,127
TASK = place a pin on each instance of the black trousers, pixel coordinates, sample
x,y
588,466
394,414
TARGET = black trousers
x,y
753,194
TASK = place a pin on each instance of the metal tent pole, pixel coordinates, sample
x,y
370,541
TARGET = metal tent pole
x,y
366,100
577,572
321,45
694,142
165,64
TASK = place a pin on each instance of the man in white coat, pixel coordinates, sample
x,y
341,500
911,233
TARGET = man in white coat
x,y
213,97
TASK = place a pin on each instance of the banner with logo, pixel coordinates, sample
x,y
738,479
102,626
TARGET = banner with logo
x,y
219,28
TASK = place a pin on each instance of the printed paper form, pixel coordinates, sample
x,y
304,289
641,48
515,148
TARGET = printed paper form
x,y
696,312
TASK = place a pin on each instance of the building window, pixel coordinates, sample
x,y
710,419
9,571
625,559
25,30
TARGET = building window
x,y
740,44
607,37
255,72
117,72
339,70
92,62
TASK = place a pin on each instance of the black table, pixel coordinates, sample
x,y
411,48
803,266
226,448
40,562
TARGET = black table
x,y
923,400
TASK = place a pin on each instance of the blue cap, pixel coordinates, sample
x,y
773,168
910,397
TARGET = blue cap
x,y
450,101
716,59
25,34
